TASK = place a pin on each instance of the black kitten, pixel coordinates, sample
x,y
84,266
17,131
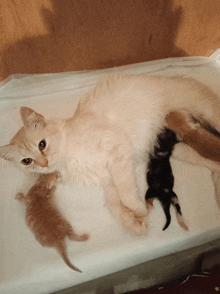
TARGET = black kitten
x,y
160,178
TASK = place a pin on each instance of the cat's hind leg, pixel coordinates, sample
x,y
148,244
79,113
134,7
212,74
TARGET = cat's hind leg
x,y
164,198
175,203
149,198
150,204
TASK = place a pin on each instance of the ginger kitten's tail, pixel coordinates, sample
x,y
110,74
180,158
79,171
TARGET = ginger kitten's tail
x,y
61,248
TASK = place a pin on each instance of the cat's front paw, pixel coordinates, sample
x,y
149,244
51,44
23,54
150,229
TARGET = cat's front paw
x,y
136,224
128,218
141,226
138,208
141,212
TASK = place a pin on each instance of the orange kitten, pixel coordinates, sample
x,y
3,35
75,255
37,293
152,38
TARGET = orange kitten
x,y
192,134
43,218
206,143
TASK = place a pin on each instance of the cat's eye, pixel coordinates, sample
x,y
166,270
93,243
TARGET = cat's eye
x,y
42,145
27,161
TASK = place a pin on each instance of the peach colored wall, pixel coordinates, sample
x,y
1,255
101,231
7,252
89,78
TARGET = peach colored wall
x,y
38,36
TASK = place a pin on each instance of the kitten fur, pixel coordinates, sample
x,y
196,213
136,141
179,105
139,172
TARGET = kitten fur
x,y
110,136
198,134
207,144
160,177
44,220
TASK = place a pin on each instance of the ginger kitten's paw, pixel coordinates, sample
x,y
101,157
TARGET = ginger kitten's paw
x,y
19,197
79,238
58,176
85,237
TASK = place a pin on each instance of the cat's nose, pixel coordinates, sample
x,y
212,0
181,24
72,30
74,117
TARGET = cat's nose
x,y
43,162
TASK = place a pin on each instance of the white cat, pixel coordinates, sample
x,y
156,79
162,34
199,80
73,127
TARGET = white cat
x,y
111,133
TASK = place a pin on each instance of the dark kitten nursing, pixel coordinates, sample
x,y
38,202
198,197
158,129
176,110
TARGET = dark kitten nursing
x,y
160,178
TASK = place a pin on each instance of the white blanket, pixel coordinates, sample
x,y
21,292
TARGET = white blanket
x,y
25,266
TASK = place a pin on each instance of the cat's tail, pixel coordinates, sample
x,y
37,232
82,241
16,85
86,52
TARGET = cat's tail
x,y
153,193
61,248
166,209
179,216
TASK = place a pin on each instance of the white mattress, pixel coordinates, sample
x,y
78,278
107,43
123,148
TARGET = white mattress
x,y
25,266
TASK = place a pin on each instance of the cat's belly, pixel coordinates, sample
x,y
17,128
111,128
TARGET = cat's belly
x,y
144,136
85,172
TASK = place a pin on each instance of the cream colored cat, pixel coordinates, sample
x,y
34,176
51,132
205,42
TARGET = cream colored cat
x,y
111,133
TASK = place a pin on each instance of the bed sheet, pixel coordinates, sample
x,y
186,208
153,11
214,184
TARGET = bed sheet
x,y
25,266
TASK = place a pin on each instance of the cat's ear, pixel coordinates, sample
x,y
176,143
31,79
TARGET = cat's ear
x,y
31,118
7,152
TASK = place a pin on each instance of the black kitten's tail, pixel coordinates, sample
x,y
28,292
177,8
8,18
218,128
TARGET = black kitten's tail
x,y
166,208
153,193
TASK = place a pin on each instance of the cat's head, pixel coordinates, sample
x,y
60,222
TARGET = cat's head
x,y
37,145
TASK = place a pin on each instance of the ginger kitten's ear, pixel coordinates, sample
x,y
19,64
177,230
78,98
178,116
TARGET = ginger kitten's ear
x,y
7,152
31,118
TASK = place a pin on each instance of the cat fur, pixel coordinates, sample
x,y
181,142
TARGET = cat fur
x,y
111,134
